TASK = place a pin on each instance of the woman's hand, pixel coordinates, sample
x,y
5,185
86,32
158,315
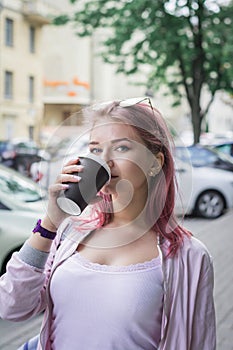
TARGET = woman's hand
x,y
55,215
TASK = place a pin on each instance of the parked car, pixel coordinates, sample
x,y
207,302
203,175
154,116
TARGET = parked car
x,y
203,191
19,154
44,172
204,156
25,146
27,152
224,147
22,202
72,146
7,153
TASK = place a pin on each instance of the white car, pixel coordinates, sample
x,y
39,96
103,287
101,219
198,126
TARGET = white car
x,y
203,191
22,203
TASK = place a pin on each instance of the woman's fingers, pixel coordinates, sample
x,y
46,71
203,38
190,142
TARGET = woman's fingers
x,y
72,161
54,189
67,175
68,169
61,182
68,178
72,166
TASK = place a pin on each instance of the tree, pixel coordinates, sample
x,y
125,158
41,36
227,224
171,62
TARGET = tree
x,y
187,44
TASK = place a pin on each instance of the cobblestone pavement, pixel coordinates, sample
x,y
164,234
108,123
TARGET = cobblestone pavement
x,y
218,237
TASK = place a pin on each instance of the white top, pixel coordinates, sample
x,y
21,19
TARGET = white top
x,y
102,307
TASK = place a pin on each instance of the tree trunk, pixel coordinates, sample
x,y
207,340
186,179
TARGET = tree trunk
x,y
196,122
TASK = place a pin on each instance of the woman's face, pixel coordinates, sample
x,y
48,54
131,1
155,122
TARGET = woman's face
x,y
127,156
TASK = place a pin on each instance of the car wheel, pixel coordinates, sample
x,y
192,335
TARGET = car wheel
x,y
210,204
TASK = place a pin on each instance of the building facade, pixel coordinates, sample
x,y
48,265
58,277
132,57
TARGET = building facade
x,y
21,70
47,74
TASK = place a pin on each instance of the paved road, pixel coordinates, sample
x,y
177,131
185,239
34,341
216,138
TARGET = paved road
x,y
217,235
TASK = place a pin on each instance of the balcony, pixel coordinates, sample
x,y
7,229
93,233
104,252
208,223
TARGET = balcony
x,y
36,12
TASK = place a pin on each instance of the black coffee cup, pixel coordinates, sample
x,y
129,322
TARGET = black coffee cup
x,y
94,176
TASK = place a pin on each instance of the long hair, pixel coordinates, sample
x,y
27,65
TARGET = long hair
x,y
148,123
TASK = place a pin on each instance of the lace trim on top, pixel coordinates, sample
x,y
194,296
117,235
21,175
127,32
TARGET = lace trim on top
x,y
147,265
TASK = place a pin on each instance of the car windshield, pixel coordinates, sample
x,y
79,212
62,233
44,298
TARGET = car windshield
x,y
17,187
222,155
198,157
201,156
227,149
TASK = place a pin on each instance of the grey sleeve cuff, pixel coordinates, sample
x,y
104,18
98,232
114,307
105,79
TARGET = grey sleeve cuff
x,y
33,256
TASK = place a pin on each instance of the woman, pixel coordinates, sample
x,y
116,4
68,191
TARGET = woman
x,y
127,276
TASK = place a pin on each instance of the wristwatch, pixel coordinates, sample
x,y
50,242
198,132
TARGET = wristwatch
x,y
43,232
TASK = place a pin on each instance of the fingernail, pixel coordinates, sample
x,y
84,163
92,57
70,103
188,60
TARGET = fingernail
x,y
76,177
65,186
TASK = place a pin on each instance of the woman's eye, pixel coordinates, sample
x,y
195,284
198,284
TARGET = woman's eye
x,y
122,148
95,150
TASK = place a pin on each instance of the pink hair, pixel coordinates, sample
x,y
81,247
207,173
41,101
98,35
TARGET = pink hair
x,y
152,129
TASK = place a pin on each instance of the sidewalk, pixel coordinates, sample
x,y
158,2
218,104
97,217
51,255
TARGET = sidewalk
x,y
218,237
14,334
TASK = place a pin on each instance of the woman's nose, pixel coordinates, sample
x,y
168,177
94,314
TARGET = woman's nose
x,y
110,163
107,157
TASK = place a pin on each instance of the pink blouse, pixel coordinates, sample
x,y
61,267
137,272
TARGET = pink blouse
x,y
108,307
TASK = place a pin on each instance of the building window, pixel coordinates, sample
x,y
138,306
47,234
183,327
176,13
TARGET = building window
x,y
8,85
32,36
9,28
31,89
65,118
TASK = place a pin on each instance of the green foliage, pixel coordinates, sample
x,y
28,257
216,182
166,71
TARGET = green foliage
x,y
187,44
61,20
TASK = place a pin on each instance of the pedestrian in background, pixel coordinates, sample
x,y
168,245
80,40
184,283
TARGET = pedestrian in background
x,y
125,275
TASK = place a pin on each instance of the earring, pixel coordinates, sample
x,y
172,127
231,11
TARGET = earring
x,y
151,172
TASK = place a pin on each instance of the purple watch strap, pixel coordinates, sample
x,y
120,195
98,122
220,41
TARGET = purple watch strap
x,y
43,232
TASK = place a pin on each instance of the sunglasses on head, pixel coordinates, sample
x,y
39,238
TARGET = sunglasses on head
x,y
129,103
126,103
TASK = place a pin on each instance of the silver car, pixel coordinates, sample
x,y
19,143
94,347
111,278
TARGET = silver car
x,y
22,203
